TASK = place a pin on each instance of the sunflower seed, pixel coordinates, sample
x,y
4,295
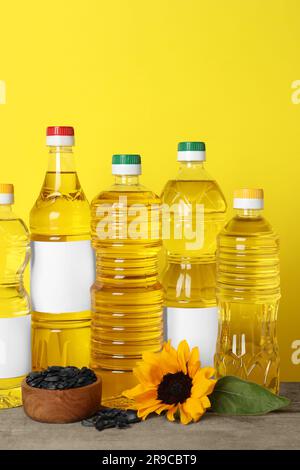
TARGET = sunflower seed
x,y
58,377
112,417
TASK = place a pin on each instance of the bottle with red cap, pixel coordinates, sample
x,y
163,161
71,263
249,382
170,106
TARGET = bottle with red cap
x,y
62,266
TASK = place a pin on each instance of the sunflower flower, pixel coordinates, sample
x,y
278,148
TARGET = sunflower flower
x,y
172,382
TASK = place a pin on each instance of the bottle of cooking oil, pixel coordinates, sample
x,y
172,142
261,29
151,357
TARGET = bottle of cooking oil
x,y
127,297
193,213
15,318
62,268
248,292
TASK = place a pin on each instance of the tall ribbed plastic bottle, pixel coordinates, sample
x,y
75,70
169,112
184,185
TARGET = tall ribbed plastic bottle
x,y
197,210
127,298
15,318
248,293
62,266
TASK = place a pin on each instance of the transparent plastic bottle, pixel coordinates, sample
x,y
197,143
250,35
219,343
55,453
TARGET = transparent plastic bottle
x,y
62,267
15,318
194,208
248,293
127,297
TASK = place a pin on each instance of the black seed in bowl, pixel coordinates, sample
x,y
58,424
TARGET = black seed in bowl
x,y
61,378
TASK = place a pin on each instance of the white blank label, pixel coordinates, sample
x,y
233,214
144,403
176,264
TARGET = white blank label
x,y
198,326
61,276
15,346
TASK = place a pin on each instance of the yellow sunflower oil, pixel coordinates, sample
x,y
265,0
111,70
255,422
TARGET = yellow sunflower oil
x,y
62,267
127,298
193,213
15,327
248,293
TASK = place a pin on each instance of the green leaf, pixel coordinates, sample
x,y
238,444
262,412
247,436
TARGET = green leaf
x,y
234,396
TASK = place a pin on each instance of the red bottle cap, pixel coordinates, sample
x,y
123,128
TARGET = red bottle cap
x,y
60,130
60,136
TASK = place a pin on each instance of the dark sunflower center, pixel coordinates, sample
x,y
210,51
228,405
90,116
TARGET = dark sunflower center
x,y
174,388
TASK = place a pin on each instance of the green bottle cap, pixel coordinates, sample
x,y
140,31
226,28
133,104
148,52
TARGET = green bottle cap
x,y
191,146
126,164
191,152
126,159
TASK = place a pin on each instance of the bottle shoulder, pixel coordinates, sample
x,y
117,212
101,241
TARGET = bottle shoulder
x,y
246,226
12,225
134,194
60,213
206,192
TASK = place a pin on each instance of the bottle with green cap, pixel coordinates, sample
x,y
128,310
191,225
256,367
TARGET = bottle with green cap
x,y
194,211
127,297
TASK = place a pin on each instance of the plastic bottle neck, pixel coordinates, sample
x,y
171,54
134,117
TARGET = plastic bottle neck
x,y
190,171
249,213
191,165
127,180
5,208
61,160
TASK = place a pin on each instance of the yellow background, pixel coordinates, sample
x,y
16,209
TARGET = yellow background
x,y
141,75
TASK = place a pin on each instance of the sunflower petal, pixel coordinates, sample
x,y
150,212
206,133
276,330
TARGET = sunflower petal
x,y
169,363
205,402
148,374
171,412
151,358
167,346
194,408
183,353
133,392
164,407
202,385
193,362
143,397
208,372
185,418
144,412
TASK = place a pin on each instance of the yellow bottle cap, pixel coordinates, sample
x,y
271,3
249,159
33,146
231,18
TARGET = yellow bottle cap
x,y
6,193
247,193
248,198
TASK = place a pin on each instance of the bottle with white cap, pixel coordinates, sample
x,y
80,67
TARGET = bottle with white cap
x,y
15,318
193,213
127,298
62,266
248,293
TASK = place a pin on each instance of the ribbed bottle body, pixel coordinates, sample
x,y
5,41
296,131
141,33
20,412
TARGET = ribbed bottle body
x,y
248,293
15,318
127,297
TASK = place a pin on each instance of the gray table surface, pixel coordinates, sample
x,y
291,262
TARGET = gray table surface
x,y
277,430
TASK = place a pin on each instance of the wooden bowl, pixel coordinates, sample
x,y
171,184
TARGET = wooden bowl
x,y
61,406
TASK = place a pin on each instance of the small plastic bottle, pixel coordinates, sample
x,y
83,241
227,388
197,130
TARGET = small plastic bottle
x,y
248,293
15,318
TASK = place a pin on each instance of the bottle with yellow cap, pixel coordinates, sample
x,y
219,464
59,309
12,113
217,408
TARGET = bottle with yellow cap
x,y
15,318
248,293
